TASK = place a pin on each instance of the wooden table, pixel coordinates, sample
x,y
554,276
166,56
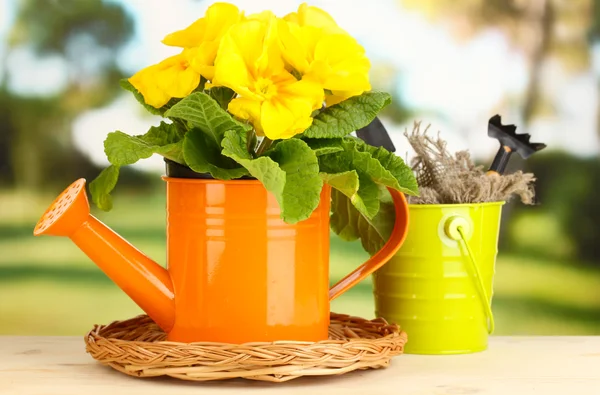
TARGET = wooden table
x,y
511,366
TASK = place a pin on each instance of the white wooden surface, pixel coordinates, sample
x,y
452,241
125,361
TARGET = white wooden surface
x,y
511,366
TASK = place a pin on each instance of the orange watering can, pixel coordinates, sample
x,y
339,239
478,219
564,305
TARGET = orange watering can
x,y
235,272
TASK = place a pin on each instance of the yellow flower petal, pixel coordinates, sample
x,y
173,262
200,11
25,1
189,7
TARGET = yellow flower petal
x,y
348,82
289,113
319,71
219,18
270,62
201,58
175,77
190,37
247,51
307,90
336,48
231,65
244,108
203,37
313,16
348,66
313,45
207,72
178,82
172,77
216,21
264,16
297,44
247,109
145,83
282,122
249,61
340,96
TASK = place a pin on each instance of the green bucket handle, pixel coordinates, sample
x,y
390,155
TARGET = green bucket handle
x,y
455,228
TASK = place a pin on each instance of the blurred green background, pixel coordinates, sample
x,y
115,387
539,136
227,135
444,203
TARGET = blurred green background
x,y
451,64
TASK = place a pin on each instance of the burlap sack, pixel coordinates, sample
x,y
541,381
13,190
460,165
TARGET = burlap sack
x,y
447,179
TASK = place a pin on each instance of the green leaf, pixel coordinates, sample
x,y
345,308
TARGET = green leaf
x,y
349,218
172,151
362,192
123,149
102,185
222,95
342,222
290,173
303,185
164,134
324,146
125,84
352,158
265,169
166,140
346,182
252,141
235,146
203,155
349,224
352,114
395,165
205,114
374,232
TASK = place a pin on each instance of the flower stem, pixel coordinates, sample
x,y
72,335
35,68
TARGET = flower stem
x,y
264,145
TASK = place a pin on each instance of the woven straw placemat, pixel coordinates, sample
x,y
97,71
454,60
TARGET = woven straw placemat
x,y
137,347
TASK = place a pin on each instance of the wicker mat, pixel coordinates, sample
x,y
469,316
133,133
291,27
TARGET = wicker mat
x,y
137,347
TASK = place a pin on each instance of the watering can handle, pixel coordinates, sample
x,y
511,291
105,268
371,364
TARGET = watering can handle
x,y
382,256
455,229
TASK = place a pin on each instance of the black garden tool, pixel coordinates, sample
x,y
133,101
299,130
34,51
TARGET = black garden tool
x,y
375,134
510,142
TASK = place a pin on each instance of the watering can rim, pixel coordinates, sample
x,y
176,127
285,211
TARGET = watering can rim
x,y
210,181
456,205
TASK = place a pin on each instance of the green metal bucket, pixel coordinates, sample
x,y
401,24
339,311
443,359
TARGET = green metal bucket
x,y
439,285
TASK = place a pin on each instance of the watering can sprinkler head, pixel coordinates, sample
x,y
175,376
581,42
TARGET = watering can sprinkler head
x,y
146,282
510,142
68,211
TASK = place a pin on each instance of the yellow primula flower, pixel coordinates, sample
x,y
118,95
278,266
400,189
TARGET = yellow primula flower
x,y
315,17
313,45
249,62
173,77
204,36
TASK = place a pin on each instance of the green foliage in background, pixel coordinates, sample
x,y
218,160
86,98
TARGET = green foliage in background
x,y
568,196
36,148
547,278
49,287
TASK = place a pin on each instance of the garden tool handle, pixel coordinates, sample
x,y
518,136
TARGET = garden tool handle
x,y
382,256
455,229
500,162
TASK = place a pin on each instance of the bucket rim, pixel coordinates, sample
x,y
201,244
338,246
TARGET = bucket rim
x,y
455,205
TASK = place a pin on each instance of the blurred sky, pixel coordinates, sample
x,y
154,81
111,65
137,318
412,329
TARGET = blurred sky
x,y
455,87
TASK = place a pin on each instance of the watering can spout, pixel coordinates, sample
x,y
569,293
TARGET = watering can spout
x,y
146,282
